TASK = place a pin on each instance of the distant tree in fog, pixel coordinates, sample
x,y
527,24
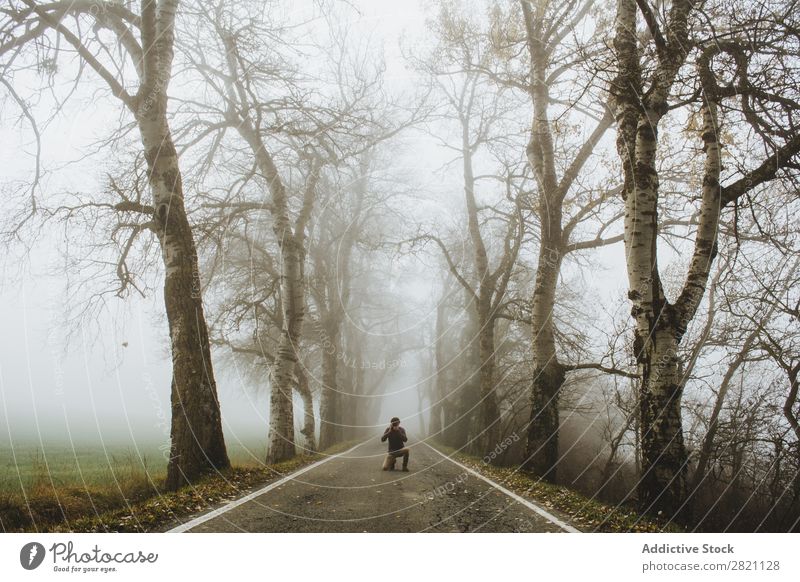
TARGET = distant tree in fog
x,y
479,115
295,127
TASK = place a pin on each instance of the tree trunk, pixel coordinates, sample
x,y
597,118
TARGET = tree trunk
x,y
435,423
659,324
280,445
793,372
197,443
541,456
309,428
348,401
490,414
280,438
440,387
548,374
291,242
461,430
420,404
353,407
480,301
662,486
450,418
329,407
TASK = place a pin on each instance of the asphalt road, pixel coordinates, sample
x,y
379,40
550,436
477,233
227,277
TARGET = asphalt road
x,y
350,493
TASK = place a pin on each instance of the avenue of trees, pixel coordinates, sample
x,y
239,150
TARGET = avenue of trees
x,y
610,243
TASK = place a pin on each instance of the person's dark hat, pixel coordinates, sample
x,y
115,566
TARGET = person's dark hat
x,y
395,419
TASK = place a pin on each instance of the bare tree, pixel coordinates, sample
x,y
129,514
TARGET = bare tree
x,y
144,47
551,56
682,64
531,48
485,284
339,227
295,126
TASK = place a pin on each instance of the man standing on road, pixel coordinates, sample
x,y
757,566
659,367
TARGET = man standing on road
x,y
397,438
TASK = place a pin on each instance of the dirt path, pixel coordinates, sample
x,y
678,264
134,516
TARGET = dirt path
x,y
350,493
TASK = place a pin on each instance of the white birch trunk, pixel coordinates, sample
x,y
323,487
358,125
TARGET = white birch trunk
x,y
197,443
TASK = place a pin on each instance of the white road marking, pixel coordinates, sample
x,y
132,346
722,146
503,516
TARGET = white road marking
x,y
532,506
225,508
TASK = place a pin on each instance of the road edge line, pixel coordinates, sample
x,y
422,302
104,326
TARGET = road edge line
x,y
250,496
518,498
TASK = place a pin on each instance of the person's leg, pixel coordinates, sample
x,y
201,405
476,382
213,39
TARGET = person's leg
x,y
406,454
388,462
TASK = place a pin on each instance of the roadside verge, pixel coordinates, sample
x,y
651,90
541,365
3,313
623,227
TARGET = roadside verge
x,y
569,506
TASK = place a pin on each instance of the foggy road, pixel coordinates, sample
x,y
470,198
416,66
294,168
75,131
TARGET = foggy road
x,y
350,493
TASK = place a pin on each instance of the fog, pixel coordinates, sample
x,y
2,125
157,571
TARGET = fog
x,y
370,209
109,380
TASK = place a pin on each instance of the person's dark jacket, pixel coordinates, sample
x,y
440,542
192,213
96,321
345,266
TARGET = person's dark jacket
x,y
397,438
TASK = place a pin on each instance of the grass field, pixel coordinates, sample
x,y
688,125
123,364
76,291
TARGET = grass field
x,y
57,484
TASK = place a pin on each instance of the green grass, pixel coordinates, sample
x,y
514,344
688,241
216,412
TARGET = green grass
x,y
585,514
56,488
